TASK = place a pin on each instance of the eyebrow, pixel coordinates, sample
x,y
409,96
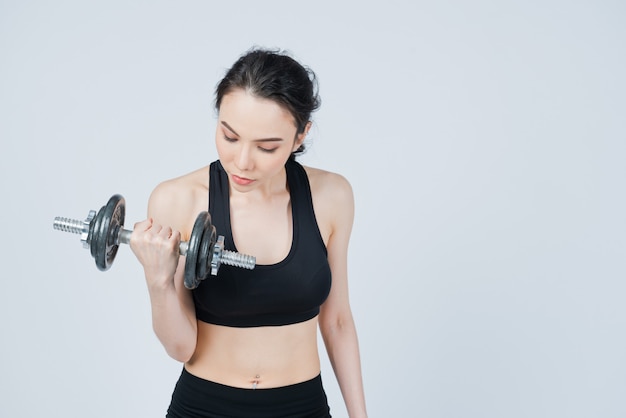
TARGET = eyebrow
x,y
273,139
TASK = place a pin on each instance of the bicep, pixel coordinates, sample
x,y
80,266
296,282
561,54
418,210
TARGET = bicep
x,y
161,206
164,209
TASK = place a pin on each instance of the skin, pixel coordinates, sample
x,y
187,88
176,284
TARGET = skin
x,y
254,139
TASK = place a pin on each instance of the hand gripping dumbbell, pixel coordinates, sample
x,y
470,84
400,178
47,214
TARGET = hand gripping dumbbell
x,y
103,232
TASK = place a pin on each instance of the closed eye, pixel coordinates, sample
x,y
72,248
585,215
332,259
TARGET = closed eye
x,y
262,149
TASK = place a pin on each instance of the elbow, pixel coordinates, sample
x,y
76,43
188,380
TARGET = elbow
x,y
181,352
334,323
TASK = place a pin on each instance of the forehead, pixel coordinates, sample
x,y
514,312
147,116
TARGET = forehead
x,y
245,111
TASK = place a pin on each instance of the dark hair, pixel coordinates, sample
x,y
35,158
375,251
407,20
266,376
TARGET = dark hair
x,y
274,75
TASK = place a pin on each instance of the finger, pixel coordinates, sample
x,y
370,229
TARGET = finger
x,y
165,232
143,225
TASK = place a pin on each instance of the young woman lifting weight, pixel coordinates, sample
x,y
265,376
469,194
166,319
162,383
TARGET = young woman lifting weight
x,y
248,338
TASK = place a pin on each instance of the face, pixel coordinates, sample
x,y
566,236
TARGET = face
x,y
254,139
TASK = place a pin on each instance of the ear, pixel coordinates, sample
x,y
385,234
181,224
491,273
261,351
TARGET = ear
x,y
301,137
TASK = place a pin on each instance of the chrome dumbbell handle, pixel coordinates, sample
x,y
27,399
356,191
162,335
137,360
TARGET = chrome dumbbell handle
x,y
220,255
124,238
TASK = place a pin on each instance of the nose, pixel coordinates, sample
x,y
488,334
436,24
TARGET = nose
x,y
244,159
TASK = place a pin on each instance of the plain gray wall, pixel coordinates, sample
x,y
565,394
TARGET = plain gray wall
x,y
485,142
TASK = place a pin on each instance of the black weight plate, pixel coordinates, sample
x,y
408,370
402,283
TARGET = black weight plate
x,y
191,259
112,220
94,228
116,225
206,251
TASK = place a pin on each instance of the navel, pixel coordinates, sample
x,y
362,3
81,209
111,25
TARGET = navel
x,y
255,382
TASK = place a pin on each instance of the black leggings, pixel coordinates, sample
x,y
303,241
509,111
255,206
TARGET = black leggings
x,y
196,397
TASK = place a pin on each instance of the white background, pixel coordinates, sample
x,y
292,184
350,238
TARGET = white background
x,y
485,142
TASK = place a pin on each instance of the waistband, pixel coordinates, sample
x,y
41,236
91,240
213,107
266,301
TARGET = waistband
x,y
194,396
289,390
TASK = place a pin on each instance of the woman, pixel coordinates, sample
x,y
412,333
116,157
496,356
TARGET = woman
x,y
248,338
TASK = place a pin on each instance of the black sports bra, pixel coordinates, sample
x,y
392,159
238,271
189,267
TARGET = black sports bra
x,y
287,292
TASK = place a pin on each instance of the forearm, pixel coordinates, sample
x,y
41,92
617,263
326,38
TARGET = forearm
x,y
173,315
173,324
343,351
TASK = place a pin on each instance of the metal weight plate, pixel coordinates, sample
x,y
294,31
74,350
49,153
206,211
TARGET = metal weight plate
x,y
191,260
107,230
92,237
206,250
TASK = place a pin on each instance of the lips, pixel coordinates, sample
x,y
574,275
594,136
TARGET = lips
x,y
242,181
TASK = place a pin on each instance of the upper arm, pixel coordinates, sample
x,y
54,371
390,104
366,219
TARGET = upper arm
x,y
169,205
338,211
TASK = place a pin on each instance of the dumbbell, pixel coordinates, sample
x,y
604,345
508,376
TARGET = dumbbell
x,y
103,232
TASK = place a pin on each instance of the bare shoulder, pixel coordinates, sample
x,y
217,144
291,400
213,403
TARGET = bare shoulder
x,y
327,185
176,202
333,200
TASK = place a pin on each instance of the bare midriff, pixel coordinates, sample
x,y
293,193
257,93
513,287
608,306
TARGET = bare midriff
x,y
256,357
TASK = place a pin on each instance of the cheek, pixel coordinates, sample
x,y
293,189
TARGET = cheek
x,y
277,164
